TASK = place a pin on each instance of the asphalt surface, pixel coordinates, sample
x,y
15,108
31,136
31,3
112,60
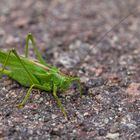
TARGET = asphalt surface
x,y
67,33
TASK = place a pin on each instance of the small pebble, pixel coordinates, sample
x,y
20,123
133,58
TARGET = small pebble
x,y
86,114
106,120
113,136
54,116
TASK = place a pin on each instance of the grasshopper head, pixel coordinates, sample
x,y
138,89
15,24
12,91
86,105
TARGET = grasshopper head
x,y
70,80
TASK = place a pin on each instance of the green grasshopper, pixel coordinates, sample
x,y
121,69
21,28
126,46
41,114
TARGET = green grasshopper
x,y
35,73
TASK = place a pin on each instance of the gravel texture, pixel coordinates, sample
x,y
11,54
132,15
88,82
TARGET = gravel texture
x,y
66,33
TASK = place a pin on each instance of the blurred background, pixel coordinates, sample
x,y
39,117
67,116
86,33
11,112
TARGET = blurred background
x,y
56,24
67,32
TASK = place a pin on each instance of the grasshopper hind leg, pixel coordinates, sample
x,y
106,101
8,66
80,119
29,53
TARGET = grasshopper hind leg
x,y
5,72
34,81
5,63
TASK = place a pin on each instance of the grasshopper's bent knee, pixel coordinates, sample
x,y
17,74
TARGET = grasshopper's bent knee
x,y
27,44
30,38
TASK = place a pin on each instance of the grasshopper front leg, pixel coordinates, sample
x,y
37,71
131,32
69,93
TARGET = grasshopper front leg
x,y
58,101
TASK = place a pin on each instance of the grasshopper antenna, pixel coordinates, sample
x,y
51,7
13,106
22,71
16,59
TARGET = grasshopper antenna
x,y
102,37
